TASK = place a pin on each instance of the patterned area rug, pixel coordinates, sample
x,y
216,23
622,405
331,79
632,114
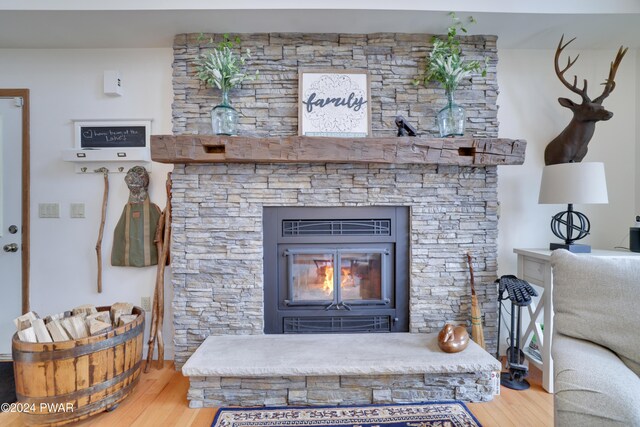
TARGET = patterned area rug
x,y
432,414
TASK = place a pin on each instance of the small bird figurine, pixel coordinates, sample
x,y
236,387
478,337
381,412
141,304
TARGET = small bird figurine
x,y
453,339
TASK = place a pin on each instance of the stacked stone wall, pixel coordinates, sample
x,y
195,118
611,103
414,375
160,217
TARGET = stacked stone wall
x,y
269,105
217,251
338,390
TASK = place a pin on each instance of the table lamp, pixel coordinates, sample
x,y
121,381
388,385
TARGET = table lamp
x,y
572,183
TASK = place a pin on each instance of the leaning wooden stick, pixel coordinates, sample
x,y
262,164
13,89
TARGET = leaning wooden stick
x,y
105,196
476,317
166,245
162,240
166,241
154,311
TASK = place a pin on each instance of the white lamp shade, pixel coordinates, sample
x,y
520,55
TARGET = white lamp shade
x,y
579,183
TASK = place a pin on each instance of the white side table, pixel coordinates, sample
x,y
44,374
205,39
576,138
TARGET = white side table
x,y
535,268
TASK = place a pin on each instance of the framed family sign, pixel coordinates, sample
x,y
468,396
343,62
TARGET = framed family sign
x,y
334,103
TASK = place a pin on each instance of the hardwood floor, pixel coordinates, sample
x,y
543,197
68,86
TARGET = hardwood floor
x,y
528,408
160,399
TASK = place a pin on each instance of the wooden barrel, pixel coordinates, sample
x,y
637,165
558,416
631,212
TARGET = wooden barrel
x,y
61,382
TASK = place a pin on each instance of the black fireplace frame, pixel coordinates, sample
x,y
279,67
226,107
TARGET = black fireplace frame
x,y
385,228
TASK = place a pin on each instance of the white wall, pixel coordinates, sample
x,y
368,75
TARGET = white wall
x,y
529,89
65,85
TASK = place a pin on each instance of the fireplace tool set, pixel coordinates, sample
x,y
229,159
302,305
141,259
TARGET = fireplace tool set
x,y
520,293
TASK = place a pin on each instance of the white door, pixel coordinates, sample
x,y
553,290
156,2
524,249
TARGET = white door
x,y
10,219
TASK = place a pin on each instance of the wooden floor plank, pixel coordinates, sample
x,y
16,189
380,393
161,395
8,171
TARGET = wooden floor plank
x,y
9,419
134,406
483,415
160,399
169,404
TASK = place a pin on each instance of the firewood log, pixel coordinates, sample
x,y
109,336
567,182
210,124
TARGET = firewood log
x,y
118,309
75,327
57,332
42,334
97,327
50,318
24,321
27,335
87,309
103,316
126,318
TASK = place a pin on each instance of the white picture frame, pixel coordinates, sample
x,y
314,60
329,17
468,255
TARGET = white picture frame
x,y
334,103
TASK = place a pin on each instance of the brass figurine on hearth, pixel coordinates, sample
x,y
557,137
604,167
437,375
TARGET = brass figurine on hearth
x,y
453,339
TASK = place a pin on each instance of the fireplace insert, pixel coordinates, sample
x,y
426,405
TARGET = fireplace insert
x,y
336,269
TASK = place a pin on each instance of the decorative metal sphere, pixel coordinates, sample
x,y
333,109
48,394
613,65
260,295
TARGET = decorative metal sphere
x,y
565,223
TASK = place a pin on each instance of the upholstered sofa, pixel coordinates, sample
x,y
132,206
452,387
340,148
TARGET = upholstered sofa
x,y
596,340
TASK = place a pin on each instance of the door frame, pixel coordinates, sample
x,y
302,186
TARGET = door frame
x,y
26,190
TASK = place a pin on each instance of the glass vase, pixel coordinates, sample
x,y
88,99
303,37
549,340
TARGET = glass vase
x,y
451,119
224,118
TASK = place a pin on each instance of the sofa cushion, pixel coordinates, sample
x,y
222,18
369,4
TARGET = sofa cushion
x,y
592,386
597,299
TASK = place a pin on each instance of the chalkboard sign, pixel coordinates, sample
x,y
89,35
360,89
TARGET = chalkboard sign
x,y
112,134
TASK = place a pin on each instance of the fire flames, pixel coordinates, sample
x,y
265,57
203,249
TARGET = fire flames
x,y
346,278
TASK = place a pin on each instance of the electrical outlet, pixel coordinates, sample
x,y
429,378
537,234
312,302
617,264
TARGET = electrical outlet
x,y
49,210
145,303
76,210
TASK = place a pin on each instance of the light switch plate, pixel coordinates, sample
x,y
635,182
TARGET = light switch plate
x,y
76,210
145,303
49,210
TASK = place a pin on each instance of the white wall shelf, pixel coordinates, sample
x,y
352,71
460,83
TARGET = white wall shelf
x,y
116,160
112,144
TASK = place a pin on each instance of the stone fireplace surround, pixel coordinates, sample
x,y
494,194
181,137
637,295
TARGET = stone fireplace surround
x,y
217,253
217,263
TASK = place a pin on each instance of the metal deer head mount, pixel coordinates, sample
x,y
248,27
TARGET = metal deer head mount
x,y
571,144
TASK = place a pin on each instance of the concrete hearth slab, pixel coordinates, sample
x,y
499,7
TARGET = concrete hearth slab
x,y
331,354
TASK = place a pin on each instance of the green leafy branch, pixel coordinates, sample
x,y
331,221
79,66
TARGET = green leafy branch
x,y
445,63
221,67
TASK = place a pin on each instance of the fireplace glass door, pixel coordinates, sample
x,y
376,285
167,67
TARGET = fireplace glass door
x,y
337,278
336,269
311,277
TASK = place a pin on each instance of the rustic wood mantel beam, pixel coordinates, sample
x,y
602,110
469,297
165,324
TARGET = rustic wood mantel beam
x,y
305,149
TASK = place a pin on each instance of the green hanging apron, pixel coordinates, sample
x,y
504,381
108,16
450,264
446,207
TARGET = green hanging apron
x,y
133,236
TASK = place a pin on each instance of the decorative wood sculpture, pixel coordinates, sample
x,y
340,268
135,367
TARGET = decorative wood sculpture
x,y
571,144
133,244
453,339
